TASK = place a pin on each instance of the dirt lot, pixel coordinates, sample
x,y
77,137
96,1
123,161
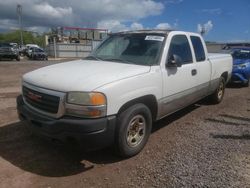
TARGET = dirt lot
x,y
201,146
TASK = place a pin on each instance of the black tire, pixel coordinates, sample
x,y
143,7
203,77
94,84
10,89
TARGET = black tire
x,y
218,95
246,84
134,123
18,58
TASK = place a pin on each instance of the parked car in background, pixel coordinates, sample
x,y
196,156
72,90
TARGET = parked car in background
x,y
14,44
32,45
38,53
241,66
22,50
29,51
9,51
29,48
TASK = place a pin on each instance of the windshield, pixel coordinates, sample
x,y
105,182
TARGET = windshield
x,y
140,49
38,50
5,45
241,54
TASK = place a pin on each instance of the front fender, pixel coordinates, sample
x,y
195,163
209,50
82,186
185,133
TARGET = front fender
x,y
120,92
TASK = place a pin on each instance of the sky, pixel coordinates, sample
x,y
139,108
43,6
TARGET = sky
x,y
222,20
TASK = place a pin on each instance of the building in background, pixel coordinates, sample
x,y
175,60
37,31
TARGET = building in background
x,y
73,41
77,35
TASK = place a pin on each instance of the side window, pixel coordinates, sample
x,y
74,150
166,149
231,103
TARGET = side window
x,y
198,48
179,46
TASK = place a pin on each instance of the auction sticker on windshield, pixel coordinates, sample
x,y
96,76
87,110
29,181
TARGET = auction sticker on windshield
x,y
153,37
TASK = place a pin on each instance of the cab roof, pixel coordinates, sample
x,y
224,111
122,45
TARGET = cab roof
x,y
148,31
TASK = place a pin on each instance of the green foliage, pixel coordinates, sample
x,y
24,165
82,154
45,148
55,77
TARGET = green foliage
x,y
28,38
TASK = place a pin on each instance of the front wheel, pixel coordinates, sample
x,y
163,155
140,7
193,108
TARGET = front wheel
x,y
218,95
133,130
18,58
246,84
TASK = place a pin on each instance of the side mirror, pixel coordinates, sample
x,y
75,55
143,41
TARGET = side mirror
x,y
174,61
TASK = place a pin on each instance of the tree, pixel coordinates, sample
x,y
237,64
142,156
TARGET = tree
x,y
28,38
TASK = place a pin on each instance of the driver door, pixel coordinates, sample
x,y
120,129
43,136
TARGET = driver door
x,y
179,83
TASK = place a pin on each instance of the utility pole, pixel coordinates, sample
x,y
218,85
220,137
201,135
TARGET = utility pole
x,y
19,14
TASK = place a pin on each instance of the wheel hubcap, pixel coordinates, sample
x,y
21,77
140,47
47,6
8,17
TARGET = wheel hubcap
x,y
136,130
220,92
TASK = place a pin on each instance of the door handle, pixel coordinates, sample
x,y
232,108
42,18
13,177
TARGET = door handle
x,y
194,72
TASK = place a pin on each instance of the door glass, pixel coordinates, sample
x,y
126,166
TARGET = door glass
x,y
179,46
198,48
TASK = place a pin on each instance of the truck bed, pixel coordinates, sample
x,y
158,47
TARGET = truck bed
x,y
216,61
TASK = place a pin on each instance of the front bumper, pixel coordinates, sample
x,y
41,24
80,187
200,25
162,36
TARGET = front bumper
x,y
39,56
8,55
239,78
91,134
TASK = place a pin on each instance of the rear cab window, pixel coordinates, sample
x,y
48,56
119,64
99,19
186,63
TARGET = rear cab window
x,y
179,45
198,48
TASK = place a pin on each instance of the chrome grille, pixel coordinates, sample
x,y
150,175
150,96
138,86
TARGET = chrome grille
x,y
42,101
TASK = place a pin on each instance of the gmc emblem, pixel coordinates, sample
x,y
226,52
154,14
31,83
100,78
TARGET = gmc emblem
x,y
34,97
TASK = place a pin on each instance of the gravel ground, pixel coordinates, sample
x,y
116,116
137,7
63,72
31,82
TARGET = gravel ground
x,y
200,146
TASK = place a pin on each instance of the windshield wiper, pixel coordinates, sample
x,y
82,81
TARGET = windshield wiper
x,y
93,57
119,60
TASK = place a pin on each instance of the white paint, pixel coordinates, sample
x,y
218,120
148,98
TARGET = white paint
x,y
82,75
124,82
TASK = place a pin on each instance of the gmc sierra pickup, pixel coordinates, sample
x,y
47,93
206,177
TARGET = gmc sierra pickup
x,y
113,96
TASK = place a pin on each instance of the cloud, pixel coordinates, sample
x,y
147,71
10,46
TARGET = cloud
x,y
205,28
136,26
116,26
79,13
214,11
173,1
37,29
122,10
112,25
163,26
47,10
6,23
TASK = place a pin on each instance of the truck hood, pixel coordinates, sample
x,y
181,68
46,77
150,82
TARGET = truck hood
x,y
240,61
82,75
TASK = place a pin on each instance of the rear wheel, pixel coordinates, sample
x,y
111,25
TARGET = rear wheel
x,y
218,95
133,130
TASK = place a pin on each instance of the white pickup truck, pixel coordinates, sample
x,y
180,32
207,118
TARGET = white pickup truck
x,y
131,80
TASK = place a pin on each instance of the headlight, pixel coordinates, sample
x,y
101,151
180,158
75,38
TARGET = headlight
x,y
242,66
84,98
86,104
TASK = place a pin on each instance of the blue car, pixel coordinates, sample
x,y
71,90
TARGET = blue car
x,y
241,66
